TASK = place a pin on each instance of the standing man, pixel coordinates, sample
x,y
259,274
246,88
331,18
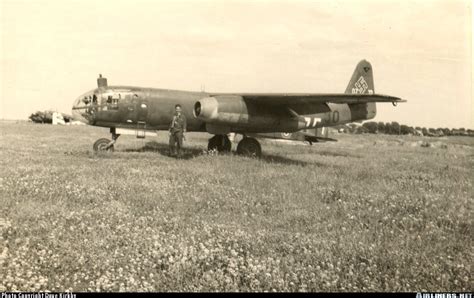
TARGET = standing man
x,y
177,130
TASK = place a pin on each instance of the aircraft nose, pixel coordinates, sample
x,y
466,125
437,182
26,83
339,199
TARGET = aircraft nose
x,y
82,108
77,116
78,108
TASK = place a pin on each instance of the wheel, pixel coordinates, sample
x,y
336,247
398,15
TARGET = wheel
x,y
101,145
249,147
221,143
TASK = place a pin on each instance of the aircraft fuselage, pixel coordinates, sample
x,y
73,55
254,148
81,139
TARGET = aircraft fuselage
x,y
153,109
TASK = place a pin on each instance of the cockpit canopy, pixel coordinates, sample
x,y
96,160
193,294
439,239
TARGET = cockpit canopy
x,y
87,105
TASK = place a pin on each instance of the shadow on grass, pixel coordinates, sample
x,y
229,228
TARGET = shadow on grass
x,y
163,149
288,161
189,153
336,154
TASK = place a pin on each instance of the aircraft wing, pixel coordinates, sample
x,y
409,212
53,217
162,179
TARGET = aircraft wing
x,y
295,98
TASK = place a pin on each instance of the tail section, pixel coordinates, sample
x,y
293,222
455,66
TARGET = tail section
x,y
362,82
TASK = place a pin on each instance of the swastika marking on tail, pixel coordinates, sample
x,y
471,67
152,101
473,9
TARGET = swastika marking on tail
x,y
360,86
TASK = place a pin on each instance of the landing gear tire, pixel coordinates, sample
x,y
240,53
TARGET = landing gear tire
x,y
102,145
221,143
249,147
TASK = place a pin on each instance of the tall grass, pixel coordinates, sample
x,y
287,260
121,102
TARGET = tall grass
x,y
369,213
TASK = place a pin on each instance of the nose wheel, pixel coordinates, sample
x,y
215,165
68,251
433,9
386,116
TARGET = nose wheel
x,y
104,144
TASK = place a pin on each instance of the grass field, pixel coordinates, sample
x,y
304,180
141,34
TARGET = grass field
x,y
368,213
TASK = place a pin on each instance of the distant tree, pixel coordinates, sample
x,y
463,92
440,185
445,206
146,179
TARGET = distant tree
x,y
446,131
361,129
404,129
395,128
37,117
388,128
371,127
381,127
439,132
462,131
424,130
418,128
42,117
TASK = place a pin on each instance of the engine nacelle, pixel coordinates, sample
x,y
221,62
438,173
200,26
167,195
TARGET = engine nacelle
x,y
228,109
238,114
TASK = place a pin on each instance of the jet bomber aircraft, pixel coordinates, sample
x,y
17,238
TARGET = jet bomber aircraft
x,y
138,111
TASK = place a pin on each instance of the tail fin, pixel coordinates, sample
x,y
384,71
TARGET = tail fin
x,y
362,80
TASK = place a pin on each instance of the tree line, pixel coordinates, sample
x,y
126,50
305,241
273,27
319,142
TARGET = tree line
x,y
394,128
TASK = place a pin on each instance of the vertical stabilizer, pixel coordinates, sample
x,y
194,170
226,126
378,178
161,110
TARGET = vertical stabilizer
x,y
362,80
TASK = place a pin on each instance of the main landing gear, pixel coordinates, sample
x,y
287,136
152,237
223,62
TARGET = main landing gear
x,y
220,143
246,147
106,145
249,147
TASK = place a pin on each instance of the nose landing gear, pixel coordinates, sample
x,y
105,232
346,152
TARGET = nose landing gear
x,y
104,144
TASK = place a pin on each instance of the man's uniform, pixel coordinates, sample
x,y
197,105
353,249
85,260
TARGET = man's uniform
x,y
177,129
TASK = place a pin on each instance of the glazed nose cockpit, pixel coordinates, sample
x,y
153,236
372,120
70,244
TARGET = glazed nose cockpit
x,y
85,107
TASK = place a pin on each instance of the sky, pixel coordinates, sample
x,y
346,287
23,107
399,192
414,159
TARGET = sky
x,y
52,51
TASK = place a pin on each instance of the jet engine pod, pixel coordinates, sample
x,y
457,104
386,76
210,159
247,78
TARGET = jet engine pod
x,y
206,108
235,112
229,109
